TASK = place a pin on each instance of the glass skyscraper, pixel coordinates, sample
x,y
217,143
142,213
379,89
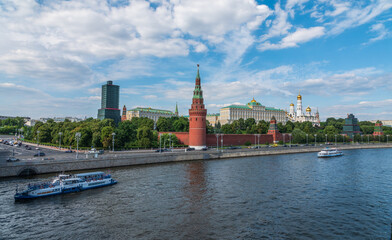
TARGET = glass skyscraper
x,y
110,99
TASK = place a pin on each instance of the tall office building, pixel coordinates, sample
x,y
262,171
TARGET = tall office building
x,y
110,102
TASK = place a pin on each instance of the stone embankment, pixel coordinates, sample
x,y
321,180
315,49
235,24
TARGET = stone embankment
x,y
57,165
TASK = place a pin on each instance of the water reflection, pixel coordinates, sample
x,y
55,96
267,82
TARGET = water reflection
x,y
197,220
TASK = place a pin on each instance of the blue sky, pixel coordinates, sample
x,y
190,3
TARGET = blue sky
x,y
55,55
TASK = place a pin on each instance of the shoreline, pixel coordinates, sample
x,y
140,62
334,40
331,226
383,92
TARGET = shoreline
x,y
121,159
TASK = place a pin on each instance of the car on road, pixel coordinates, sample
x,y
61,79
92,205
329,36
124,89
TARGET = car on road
x,y
233,147
190,149
162,150
68,151
40,154
12,159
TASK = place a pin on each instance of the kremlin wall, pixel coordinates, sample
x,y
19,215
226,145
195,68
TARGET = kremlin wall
x,y
198,138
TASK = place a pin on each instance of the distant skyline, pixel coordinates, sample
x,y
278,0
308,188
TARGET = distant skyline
x,y
55,55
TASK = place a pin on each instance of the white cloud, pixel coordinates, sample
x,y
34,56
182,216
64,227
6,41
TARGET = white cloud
x,y
358,82
151,96
35,103
381,32
364,110
301,35
280,26
358,15
59,42
211,20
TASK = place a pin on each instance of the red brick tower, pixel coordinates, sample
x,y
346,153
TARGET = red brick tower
x,y
273,130
197,117
124,114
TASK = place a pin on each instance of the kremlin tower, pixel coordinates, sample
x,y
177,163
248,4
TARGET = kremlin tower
x,y
273,130
197,117
124,114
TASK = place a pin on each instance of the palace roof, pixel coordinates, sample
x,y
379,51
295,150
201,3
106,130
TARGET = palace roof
x,y
249,108
150,110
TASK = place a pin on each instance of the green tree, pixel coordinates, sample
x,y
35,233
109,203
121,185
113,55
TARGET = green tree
x,y
298,136
106,136
144,136
163,125
330,130
181,125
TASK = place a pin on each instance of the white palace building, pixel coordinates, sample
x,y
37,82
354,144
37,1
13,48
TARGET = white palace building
x,y
253,109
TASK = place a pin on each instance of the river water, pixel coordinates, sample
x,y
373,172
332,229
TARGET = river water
x,y
294,196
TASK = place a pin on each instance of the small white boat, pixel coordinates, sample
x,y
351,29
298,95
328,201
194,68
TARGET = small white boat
x,y
329,152
66,184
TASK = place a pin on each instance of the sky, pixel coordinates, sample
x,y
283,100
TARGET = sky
x,y
55,55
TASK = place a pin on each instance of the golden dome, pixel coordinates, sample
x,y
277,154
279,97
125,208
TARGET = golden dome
x,y
292,105
299,97
308,109
253,100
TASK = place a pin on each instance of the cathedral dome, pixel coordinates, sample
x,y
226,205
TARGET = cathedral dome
x,y
254,103
299,97
292,105
308,109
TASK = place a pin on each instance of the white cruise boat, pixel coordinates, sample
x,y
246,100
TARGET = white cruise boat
x,y
329,152
66,184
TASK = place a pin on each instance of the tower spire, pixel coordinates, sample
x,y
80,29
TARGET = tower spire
x,y
197,93
176,109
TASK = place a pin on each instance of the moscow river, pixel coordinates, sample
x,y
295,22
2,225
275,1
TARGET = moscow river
x,y
295,196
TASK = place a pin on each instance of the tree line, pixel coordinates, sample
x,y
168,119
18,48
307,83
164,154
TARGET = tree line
x,y
143,132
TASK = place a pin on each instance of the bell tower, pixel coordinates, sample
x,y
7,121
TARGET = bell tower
x,y
197,117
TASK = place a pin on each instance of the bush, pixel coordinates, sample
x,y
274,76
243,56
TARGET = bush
x,y
248,143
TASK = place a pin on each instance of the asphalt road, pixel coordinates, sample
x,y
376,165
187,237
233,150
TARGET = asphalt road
x,y
22,152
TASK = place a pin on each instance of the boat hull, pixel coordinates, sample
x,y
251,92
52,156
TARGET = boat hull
x,y
331,155
21,196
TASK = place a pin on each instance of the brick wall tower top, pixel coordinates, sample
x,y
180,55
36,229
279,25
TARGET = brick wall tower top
x,y
124,114
197,117
273,130
378,129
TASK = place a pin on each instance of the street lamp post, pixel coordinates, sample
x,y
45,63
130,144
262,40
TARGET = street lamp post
x,y
160,142
113,134
307,141
387,139
379,138
258,143
315,139
255,138
362,138
60,133
222,142
368,138
37,138
326,139
336,140
217,142
284,143
77,136
170,142
290,139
